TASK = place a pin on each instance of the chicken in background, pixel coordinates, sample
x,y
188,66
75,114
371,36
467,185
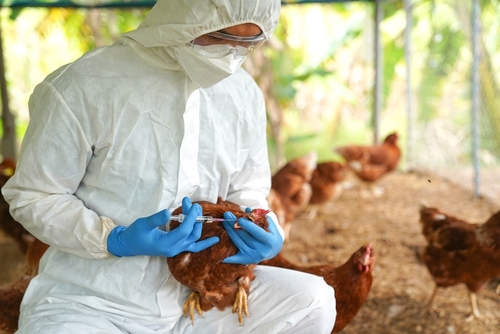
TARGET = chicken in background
x,y
215,284
351,281
7,224
7,167
326,185
433,220
460,252
290,189
370,163
11,294
286,209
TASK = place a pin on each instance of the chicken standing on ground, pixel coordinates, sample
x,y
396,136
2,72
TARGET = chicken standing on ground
x,y
326,184
290,189
370,163
459,252
7,224
215,284
11,294
351,281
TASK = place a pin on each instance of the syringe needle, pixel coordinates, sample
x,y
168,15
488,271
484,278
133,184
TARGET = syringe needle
x,y
206,219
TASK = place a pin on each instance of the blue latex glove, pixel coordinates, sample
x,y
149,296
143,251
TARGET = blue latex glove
x,y
143,237
254,243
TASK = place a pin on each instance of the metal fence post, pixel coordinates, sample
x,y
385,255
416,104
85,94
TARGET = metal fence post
x,y
378,70
409,92
475,95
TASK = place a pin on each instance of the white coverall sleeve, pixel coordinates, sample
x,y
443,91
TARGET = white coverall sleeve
x,y
54,156
251,186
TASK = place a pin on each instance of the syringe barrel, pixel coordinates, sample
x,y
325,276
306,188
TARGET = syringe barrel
x,y
180,218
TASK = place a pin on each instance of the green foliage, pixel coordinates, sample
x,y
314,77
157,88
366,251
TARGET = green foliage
x,y
311,37
14,13
393,56
41,40
443,47
320,59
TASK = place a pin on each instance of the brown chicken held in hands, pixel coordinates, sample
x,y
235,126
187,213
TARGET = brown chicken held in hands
x,y
216,284
351,281
460,252
370,163
290,189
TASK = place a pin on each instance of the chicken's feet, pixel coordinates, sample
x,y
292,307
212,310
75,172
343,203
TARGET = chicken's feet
x,y
313,212
475,310
431,308
376,190
434,311
241,304
192,303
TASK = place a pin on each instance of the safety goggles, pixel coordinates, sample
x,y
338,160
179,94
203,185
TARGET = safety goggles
x,y
218,45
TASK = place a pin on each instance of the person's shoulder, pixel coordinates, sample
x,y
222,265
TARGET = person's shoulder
x,y
113,59
86,65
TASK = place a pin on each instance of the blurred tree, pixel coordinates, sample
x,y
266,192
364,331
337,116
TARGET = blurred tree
x,y
303,52
40,40
443,49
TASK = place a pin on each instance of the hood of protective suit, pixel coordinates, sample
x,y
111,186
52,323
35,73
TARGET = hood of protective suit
x,y
173,23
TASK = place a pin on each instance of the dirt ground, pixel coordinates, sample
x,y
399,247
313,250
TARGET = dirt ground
x,y
402,286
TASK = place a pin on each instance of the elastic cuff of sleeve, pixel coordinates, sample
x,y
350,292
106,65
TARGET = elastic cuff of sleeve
x,y
107,225
275,220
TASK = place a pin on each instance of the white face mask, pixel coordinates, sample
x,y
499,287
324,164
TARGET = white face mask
x,y
203,71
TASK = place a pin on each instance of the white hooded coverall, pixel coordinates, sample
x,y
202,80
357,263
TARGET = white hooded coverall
x,y
122,133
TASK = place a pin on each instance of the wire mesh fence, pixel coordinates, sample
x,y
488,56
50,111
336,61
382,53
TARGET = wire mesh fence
x,y
452,136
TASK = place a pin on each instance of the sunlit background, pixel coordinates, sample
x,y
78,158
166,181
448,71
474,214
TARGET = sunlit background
x,y
318,76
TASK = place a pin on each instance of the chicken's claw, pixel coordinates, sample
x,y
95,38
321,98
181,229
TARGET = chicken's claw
x,y
192,303
433,311
431,308
475,311
241,304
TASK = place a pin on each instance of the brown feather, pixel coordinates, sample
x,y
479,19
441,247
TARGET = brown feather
x,y
216,282
369,163
351,281
460,252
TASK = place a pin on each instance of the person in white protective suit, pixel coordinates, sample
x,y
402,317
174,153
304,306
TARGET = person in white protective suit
x,y
128,132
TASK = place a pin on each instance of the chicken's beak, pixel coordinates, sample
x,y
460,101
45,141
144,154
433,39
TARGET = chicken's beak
x,y
367,258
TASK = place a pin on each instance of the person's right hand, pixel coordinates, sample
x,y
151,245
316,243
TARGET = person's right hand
x,y
143,237
254,243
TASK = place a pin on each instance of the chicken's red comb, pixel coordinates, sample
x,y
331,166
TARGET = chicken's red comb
x,y
261,212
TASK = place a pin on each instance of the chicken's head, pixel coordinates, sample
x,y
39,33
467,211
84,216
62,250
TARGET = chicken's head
x,y
258,216
391,138
364,258
430,214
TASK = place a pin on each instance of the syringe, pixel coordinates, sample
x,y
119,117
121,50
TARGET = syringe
x,y
206,219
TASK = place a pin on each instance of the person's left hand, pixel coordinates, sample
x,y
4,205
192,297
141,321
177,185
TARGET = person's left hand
x,y
254,243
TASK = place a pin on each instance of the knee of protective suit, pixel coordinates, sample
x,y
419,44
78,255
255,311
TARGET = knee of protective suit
x,y
327,311
321,305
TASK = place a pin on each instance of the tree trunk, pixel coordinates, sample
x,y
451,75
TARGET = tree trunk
x,y
9,141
